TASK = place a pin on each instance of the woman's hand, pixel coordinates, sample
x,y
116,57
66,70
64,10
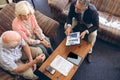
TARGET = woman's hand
x,y
46,43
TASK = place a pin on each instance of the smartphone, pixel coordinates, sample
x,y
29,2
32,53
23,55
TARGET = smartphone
x,y
50,69
72,55
75,59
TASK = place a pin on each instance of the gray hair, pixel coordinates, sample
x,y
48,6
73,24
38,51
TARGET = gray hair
x,y
84,2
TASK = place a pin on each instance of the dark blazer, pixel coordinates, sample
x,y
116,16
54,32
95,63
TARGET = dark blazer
x,y
90,16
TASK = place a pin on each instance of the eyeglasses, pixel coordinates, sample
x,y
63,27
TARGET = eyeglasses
x,y
25,15
77,8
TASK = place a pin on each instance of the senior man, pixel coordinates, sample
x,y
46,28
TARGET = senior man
x,y
11,44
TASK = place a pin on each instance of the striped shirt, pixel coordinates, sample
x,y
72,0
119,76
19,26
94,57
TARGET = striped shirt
x,y
9,57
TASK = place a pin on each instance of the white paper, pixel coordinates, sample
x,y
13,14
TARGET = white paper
x,y
73,39
61,65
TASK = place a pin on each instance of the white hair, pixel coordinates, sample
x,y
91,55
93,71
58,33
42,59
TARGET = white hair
x,y
11,44
23,8
84,2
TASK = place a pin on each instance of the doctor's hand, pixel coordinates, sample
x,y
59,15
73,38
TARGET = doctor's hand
x,y
82,35
67,31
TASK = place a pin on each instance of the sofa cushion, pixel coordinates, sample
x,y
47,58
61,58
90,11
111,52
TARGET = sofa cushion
x,y
6,17
5,76
110,24
109,29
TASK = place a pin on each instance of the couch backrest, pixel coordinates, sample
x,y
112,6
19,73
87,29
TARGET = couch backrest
x,y
48,25
110,6
6,17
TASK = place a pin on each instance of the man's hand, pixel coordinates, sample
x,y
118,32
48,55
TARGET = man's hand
x,y
67,31
46,43
82,35
40,58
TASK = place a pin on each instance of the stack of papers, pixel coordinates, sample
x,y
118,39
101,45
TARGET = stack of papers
x,y
61,65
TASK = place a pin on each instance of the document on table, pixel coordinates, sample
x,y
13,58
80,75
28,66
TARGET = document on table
x,y
61,65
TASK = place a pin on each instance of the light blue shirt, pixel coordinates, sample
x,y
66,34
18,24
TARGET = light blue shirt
x,y
9,57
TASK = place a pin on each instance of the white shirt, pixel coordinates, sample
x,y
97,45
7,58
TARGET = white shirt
x,y
9,57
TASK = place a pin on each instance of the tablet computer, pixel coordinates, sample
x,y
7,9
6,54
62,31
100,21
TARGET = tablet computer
x,y
74,58
73,39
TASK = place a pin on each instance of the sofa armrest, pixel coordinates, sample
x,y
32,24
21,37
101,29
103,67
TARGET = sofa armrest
x,y
48,25
58,4
7,14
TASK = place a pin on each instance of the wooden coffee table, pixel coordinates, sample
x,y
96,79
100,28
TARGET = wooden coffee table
x,y
63,51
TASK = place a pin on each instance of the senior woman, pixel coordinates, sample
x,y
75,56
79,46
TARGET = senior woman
x,y
26,25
